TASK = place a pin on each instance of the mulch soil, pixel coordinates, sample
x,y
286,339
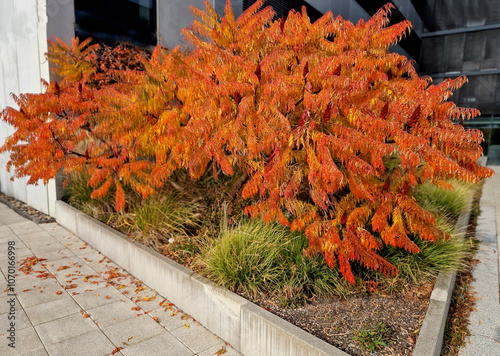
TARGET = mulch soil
x,y
337,320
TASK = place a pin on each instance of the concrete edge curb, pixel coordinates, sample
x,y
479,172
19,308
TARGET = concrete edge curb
x,y
249,329
430,337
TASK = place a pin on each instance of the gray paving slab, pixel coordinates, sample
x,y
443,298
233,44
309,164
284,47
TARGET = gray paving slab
x,y
25,227
41,295
98,297
133,331
57,254
88,305
39,248
485,319
219,350
164,344
168,319
196,337
96,262
21,320
65,328
52,310
27,343
4,306
114,312
94,343
8,235
148,301
24,283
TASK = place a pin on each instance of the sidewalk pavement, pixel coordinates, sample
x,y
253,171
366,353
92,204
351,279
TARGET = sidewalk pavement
x,y
77,302
485,320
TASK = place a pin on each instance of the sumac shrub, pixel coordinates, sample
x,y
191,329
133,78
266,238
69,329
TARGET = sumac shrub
x,y
331,129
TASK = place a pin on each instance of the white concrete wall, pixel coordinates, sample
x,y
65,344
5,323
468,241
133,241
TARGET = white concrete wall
x,y
23,29
174,15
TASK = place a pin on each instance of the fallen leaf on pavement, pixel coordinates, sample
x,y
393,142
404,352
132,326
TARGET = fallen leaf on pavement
x,y
115,350
221,351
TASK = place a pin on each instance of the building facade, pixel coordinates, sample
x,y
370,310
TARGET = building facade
x,y
462,37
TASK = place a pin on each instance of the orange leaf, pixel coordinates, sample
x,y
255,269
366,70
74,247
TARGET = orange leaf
x,y
120,197
115,350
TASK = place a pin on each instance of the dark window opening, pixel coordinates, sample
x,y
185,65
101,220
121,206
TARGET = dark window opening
x,y
111,21
410,43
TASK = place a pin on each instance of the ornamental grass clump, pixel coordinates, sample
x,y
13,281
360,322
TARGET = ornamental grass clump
x,y
256,258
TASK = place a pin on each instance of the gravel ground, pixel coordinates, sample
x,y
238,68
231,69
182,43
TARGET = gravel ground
x,y
25,210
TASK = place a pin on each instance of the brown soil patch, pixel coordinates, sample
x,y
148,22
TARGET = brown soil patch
x,y
336,320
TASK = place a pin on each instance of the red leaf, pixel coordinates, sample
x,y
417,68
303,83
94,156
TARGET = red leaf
x,y
237,97
120,197
303,118
343,220
387,183
385,111
328,113
404,190
415,116
282,24
258,71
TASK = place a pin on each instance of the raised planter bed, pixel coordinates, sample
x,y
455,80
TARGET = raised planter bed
x,y
249,329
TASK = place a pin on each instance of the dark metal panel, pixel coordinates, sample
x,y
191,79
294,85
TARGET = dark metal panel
x,y
445,14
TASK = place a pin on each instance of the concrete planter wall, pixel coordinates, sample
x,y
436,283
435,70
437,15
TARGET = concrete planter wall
x,y
248,328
